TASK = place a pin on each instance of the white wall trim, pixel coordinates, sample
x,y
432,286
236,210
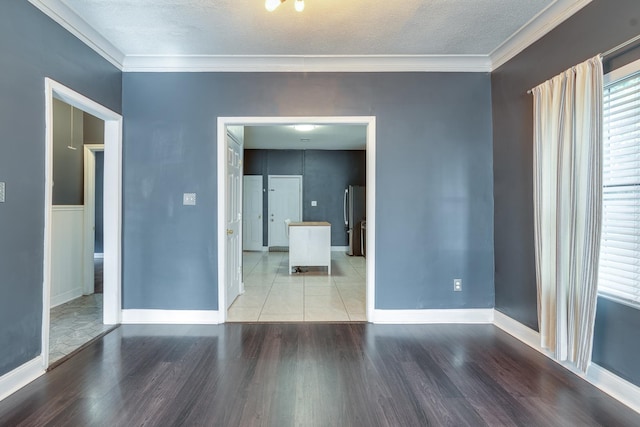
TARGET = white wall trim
x,y
307,63
541,24
368,121
89,215
69,20
556,13
21,376
171,317
339,248
471,315
614,386
67,296
517,330
98,255
112,278
603,379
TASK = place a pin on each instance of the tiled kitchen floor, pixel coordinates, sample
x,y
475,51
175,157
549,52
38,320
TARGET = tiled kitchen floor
x,y
272,295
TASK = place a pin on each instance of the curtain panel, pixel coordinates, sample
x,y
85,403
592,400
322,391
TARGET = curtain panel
x,y
568,208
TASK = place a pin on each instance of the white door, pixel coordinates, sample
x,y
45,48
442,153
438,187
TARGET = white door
x,y
252,213
285,203
234,217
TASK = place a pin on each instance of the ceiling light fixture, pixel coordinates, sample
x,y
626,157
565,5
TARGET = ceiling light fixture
x,y
304,128
272,5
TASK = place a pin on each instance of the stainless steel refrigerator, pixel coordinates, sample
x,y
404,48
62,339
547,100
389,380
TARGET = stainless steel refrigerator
x,y
355,211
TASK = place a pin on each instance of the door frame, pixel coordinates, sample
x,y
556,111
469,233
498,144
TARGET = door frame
x,y
368,121
300,179
112,301
261,202
90,151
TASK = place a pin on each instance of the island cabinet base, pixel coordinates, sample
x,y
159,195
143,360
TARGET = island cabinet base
x,y
310,245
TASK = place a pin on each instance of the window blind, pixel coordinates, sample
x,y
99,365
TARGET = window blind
x,y
619,272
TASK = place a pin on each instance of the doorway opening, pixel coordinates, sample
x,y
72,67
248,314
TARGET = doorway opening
x,y
71,287
259,261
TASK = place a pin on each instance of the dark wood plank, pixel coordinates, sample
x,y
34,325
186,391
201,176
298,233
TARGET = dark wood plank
x,y
311,375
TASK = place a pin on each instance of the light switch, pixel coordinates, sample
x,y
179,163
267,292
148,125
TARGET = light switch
x,y
1,192
314,203
189,199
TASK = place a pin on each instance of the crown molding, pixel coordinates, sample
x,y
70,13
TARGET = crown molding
x,y
307,63
77,26
545,21
529,33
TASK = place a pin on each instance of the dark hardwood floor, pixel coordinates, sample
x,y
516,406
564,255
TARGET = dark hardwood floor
x,y
311,375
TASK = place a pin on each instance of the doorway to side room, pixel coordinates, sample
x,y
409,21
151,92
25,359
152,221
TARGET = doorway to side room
x,y
264,269
81,290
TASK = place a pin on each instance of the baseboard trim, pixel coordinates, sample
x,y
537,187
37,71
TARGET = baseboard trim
x,y
518,330
98,255
471,315
339,248
21,376
603,379
171,317
70,295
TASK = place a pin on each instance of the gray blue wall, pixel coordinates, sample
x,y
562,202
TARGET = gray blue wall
x,y
597,28
33,47
326,174
99,211
434,178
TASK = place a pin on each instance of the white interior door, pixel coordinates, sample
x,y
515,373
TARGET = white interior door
x,y
234,217
285,202
252,213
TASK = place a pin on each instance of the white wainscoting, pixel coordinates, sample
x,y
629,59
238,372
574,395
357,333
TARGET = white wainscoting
x,y
66,253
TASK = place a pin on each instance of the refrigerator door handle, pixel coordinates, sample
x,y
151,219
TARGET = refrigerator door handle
x,y
346,194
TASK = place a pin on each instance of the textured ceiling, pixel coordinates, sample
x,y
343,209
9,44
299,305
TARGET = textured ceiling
x,y
323,137
326,27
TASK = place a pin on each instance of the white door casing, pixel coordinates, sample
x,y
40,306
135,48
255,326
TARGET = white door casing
x,y
112,279
224,122
252,213
89,215
234,217
285,203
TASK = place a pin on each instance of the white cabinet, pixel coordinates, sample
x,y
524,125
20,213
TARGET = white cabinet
x,y
310,245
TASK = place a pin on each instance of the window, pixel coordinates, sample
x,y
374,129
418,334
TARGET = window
x,y
619,273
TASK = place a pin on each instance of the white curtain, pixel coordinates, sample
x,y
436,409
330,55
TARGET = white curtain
x,y
568,208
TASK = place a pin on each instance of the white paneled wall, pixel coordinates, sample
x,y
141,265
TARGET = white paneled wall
x,y
66,253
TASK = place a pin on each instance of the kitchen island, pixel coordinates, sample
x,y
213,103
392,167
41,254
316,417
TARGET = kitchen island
x,y
310,245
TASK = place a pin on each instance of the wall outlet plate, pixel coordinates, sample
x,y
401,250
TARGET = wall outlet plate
x,y
314,203
1,192
189,199
457,285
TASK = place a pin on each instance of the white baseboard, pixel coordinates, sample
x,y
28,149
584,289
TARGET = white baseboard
x,y
173,317
98,255
67,296
339,248
518,330
608,382
471,315
20,377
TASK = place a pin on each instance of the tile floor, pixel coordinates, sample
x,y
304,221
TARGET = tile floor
x,y
73,324
272,295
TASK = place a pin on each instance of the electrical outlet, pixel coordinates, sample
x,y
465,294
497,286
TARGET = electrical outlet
x,y
189,199
314,203
1,192
457,285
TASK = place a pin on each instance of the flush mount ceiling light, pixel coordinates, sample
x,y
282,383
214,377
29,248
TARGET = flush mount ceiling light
x,y
304,128
272,5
